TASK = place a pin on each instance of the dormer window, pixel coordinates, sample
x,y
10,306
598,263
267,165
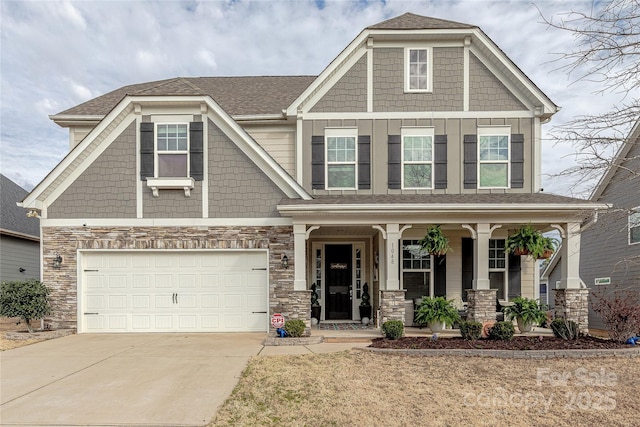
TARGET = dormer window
x,y
418,69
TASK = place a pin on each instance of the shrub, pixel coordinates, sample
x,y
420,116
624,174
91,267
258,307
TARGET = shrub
x,y
502,331
619,311
565,329
294,327
27,300
471,330
393,329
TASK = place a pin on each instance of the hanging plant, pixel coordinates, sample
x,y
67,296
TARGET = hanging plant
x,y
526,241
434,241
549,246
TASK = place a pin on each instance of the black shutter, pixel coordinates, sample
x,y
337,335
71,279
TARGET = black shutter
x,y
147,144
196,151
395,161
517,160
514,276
470,161
317,162
364,162
440,161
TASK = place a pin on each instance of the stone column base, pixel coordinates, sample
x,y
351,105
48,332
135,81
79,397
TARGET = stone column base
x,y
573,304
481,305
392,305
296,305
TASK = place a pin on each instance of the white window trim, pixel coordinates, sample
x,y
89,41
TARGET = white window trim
x,y
156,151
407,57
495,131
633,211
505,270
429,270
333,133
417,131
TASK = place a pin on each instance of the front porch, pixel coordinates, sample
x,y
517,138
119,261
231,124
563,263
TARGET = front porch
x,y
348,246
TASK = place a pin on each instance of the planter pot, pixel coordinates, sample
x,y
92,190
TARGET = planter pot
x,y
436,326
546,255
520,252
365,311
315,312
524,327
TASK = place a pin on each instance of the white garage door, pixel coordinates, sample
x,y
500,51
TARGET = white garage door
x,y
173,291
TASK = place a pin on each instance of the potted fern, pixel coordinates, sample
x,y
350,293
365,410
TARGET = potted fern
x,y
527,312
549,246
434,241
436,312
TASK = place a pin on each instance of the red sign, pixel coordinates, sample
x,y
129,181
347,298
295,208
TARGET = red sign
x,y
277,320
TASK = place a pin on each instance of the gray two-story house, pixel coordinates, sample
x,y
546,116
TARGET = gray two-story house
x,y
211,203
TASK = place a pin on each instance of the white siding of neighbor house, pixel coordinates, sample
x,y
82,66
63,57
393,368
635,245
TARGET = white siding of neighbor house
x,y
279,143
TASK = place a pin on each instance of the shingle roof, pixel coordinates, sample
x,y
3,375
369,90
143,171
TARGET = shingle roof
x,y
13,217
445,199
236,95
410,21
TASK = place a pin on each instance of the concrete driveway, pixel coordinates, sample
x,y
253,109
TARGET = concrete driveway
x,y
122,379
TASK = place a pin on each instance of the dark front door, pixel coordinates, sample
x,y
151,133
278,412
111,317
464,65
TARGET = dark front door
x,y
338,273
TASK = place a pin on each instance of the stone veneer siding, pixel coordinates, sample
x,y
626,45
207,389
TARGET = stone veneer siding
x,y
481,305
68,240
573,304
392,305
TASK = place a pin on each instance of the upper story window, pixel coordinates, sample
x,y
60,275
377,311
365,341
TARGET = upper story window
x,y
418,69
417,158
172,150
634,226
493,157
342,155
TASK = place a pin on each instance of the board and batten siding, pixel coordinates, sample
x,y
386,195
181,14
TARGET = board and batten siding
x,y
454,129
16,253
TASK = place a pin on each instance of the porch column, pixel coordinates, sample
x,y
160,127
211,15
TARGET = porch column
x,y
481,252
572,299
393,236
570,251
299,259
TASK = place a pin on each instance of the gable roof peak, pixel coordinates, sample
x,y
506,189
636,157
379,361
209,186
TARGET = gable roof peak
x,y
411,21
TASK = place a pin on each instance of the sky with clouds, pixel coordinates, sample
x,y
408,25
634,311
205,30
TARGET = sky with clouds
x,y
57,54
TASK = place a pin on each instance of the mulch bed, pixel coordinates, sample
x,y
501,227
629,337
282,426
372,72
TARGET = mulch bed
x,y
517,343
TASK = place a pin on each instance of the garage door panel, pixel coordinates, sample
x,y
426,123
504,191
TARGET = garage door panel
x,y
118,282
210,301
232,280
163,281
233,301
141,322
169,291
141,281
141,301
117,322
187,281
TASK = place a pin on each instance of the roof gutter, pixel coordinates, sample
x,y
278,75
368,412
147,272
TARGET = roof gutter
x,y
414,207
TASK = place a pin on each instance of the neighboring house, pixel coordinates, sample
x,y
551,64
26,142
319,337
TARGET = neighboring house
x,y
610,249
550,279
211,203
19,236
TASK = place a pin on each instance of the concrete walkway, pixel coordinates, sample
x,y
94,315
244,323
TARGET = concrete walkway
x,y
129,379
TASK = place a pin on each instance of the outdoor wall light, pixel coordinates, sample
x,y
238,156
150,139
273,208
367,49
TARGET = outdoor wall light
x,y
57,261
285,262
